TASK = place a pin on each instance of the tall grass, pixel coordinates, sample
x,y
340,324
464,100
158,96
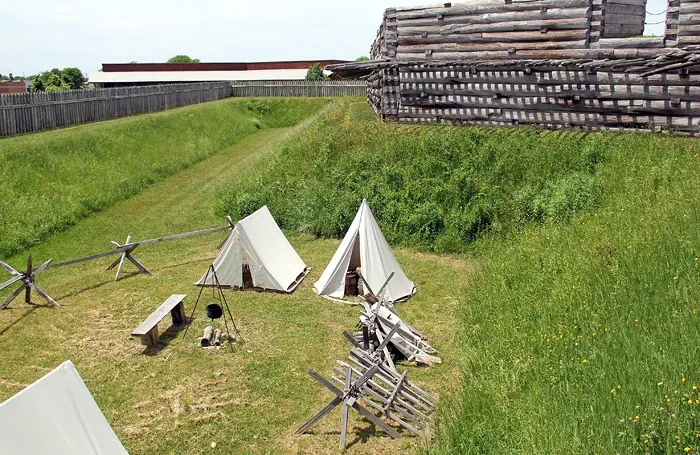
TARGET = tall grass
x,y
580,327
583,337
438,188
50,180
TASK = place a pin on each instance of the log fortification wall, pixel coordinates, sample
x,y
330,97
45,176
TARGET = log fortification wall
x,y
576,64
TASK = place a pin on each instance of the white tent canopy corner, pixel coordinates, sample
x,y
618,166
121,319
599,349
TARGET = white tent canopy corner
x,y
258,242
364,246
56,415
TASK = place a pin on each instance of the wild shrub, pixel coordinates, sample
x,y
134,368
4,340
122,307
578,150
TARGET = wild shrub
x,y
437,188
258,106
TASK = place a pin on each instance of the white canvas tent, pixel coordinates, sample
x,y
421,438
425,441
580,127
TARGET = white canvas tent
x,y
365,246
259,242
56,415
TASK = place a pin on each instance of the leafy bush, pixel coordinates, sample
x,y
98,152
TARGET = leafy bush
x,y
258,106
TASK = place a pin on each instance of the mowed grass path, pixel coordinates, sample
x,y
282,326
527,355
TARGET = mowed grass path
x,y
181,398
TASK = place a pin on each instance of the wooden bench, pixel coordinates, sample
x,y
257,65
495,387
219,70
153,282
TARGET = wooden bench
x,y
148,330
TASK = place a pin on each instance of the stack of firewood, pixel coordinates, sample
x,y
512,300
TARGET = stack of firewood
x,y
211,338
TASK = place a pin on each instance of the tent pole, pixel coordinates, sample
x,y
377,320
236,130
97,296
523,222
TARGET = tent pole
x,y
189,322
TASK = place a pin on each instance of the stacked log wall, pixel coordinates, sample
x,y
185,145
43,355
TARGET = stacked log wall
x,y
688,22
554,98
473,29
672,23
486,63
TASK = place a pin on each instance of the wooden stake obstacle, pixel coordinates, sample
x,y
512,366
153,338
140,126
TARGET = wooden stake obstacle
x,y
378,353
125,252
390,394
384,392
128,248
348,397
28,285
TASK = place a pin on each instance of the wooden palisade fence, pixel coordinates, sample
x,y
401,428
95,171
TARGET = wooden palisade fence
x,y
573,64
29,112
299,88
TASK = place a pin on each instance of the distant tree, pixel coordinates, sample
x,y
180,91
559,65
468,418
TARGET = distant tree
x,y
316,73
38,84
74,78
183,59
57,80
364,58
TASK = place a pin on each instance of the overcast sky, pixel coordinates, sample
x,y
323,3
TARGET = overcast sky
x,y
44,34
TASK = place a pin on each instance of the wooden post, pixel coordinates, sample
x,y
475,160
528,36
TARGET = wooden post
x,y
28,292
151,338
121,260
178,314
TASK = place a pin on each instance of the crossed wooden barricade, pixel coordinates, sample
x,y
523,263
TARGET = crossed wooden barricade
x,y
28,278
125,252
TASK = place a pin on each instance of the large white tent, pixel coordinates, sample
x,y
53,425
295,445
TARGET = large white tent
x,y
56,415
365,246
259,242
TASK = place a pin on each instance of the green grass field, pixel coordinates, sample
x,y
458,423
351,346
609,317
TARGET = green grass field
x,y
180,399
557,276
53,179
580,324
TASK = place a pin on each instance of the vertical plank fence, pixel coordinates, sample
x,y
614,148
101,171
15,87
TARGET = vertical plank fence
x,y
299,88
30,112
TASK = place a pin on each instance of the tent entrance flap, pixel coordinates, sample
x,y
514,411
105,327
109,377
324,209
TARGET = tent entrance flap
x,y
355,260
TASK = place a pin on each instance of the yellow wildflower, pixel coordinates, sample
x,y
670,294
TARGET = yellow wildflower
x,y
687,449
646,441
695,387
683,379
636,417
619,387
637,407
690,401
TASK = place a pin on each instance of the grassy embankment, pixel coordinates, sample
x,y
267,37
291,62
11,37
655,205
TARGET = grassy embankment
x,y
52,179
578,331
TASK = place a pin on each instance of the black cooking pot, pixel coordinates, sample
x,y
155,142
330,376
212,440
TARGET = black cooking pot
x,y
214,311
